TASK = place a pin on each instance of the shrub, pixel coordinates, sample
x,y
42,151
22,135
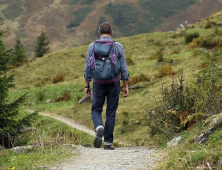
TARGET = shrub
x,y
182,107
209,24
211,43
58,78
189,37
164,71
196,43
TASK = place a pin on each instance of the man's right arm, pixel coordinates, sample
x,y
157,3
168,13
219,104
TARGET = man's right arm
x,y
88,78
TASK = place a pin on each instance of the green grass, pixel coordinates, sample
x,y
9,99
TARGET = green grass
x,y
48,139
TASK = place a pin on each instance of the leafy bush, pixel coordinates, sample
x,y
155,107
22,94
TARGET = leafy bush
x,y
189,37
202,98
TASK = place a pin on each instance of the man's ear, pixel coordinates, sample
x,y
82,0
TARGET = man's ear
x,y
99,33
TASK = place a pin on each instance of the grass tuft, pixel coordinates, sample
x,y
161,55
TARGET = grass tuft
x,y
58,78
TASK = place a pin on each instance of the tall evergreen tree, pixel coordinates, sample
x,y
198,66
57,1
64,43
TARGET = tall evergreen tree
x,y
42,45
20,54
10,124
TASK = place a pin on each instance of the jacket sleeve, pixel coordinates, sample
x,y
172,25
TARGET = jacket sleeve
x,y
122,58
88,55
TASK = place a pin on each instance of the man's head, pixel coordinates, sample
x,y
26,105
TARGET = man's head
x,y
105,29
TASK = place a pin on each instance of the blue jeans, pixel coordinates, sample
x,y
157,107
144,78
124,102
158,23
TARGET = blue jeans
x,y
100,93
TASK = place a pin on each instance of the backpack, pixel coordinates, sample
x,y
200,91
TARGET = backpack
x,y
104,66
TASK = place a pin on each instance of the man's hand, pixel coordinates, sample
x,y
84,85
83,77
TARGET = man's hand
x,y
125,91
88,92
126,88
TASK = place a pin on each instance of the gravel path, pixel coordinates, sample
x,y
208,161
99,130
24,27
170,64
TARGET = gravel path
x,y
124,158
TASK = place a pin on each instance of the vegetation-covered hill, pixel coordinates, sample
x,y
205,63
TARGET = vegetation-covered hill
x,y
55,83
70,23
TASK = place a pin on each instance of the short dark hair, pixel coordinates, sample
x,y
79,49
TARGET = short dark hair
x,y
105,28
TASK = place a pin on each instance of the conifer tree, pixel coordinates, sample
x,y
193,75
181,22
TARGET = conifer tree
x,y
10,124
42,45
20,54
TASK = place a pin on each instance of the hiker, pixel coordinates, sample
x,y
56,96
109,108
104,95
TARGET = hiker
x,y
106,65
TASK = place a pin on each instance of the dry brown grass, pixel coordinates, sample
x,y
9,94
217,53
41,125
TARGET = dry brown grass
x,y
164,70
138,78
58,78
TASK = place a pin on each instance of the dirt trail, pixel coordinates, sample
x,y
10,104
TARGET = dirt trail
x,y
69,122
124,158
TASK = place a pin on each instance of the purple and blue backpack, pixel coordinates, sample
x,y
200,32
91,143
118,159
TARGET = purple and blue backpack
x,y
104,65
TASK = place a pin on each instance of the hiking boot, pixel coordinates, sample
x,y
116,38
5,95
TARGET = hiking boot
x,y
109,147
98,140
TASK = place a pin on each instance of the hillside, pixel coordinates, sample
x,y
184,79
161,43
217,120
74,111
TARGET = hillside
x,y
70,23
37,76
153,59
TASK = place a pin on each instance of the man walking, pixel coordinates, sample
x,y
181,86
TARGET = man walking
x,y
108,90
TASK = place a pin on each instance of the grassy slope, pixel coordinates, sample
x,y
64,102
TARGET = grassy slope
x,y
70,63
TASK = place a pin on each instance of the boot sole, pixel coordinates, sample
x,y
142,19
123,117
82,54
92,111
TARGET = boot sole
x,y
98,140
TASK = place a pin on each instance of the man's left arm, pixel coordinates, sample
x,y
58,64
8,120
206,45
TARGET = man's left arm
x,y
124,71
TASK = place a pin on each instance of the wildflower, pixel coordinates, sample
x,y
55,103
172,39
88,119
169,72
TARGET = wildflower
x,y
13,168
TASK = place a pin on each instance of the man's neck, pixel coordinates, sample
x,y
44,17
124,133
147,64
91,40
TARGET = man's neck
x,y
109,35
